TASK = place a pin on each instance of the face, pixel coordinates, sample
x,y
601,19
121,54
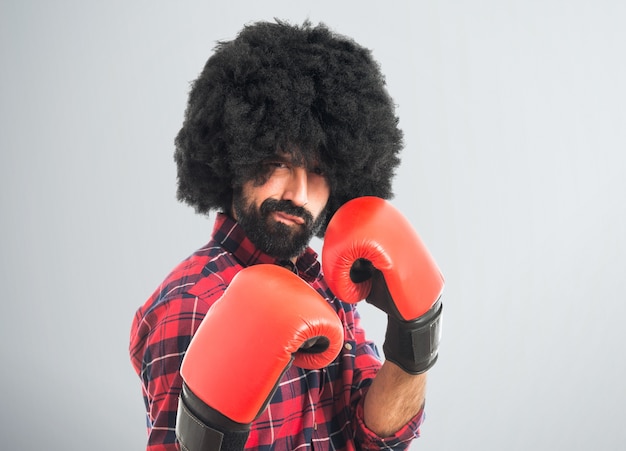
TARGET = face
x,y
284,209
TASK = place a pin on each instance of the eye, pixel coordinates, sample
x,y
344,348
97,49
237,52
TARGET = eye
x,y
275,165
317,171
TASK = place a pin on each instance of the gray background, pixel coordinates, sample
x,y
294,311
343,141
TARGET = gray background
x,y
515,122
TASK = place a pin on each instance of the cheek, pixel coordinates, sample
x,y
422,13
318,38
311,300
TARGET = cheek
x,y
319,192
272,187
255,194
321,187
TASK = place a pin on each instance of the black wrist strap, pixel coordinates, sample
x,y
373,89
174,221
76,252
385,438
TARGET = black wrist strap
x,y
201,428
414,345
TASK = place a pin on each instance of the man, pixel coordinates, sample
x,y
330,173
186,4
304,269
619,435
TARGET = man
x,y
285,125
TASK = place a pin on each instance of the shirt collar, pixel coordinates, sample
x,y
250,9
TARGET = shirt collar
x,y
231,236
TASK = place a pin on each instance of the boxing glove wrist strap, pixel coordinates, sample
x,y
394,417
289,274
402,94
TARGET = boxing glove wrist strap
x,y
199,427
414,345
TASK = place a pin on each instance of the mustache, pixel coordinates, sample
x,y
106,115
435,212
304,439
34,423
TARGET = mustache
x,y
285,206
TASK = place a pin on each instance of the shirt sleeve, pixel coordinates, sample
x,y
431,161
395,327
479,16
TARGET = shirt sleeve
x,y
399,441
162,336
367,363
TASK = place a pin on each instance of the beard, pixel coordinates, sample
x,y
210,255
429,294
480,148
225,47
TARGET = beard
x,y
275,238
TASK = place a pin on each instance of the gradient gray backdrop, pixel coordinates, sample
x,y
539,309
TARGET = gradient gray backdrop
x,y
515,122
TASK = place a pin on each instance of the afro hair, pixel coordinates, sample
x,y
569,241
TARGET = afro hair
x,y
278,86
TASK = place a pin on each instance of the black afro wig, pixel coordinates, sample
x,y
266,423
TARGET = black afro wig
x,y
275,87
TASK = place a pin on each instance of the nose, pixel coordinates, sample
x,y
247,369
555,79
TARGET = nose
x,y
296,189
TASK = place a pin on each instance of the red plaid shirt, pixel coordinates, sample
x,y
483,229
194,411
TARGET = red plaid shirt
x,y
311,409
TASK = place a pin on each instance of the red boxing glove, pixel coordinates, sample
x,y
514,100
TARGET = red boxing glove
x,y
372,252
267,319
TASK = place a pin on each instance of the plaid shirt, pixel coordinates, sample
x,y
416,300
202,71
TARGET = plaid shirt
x,y
311,409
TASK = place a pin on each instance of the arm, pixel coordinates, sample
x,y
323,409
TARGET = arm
x,y
267,319
394,398
159,339
369,375
371,252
